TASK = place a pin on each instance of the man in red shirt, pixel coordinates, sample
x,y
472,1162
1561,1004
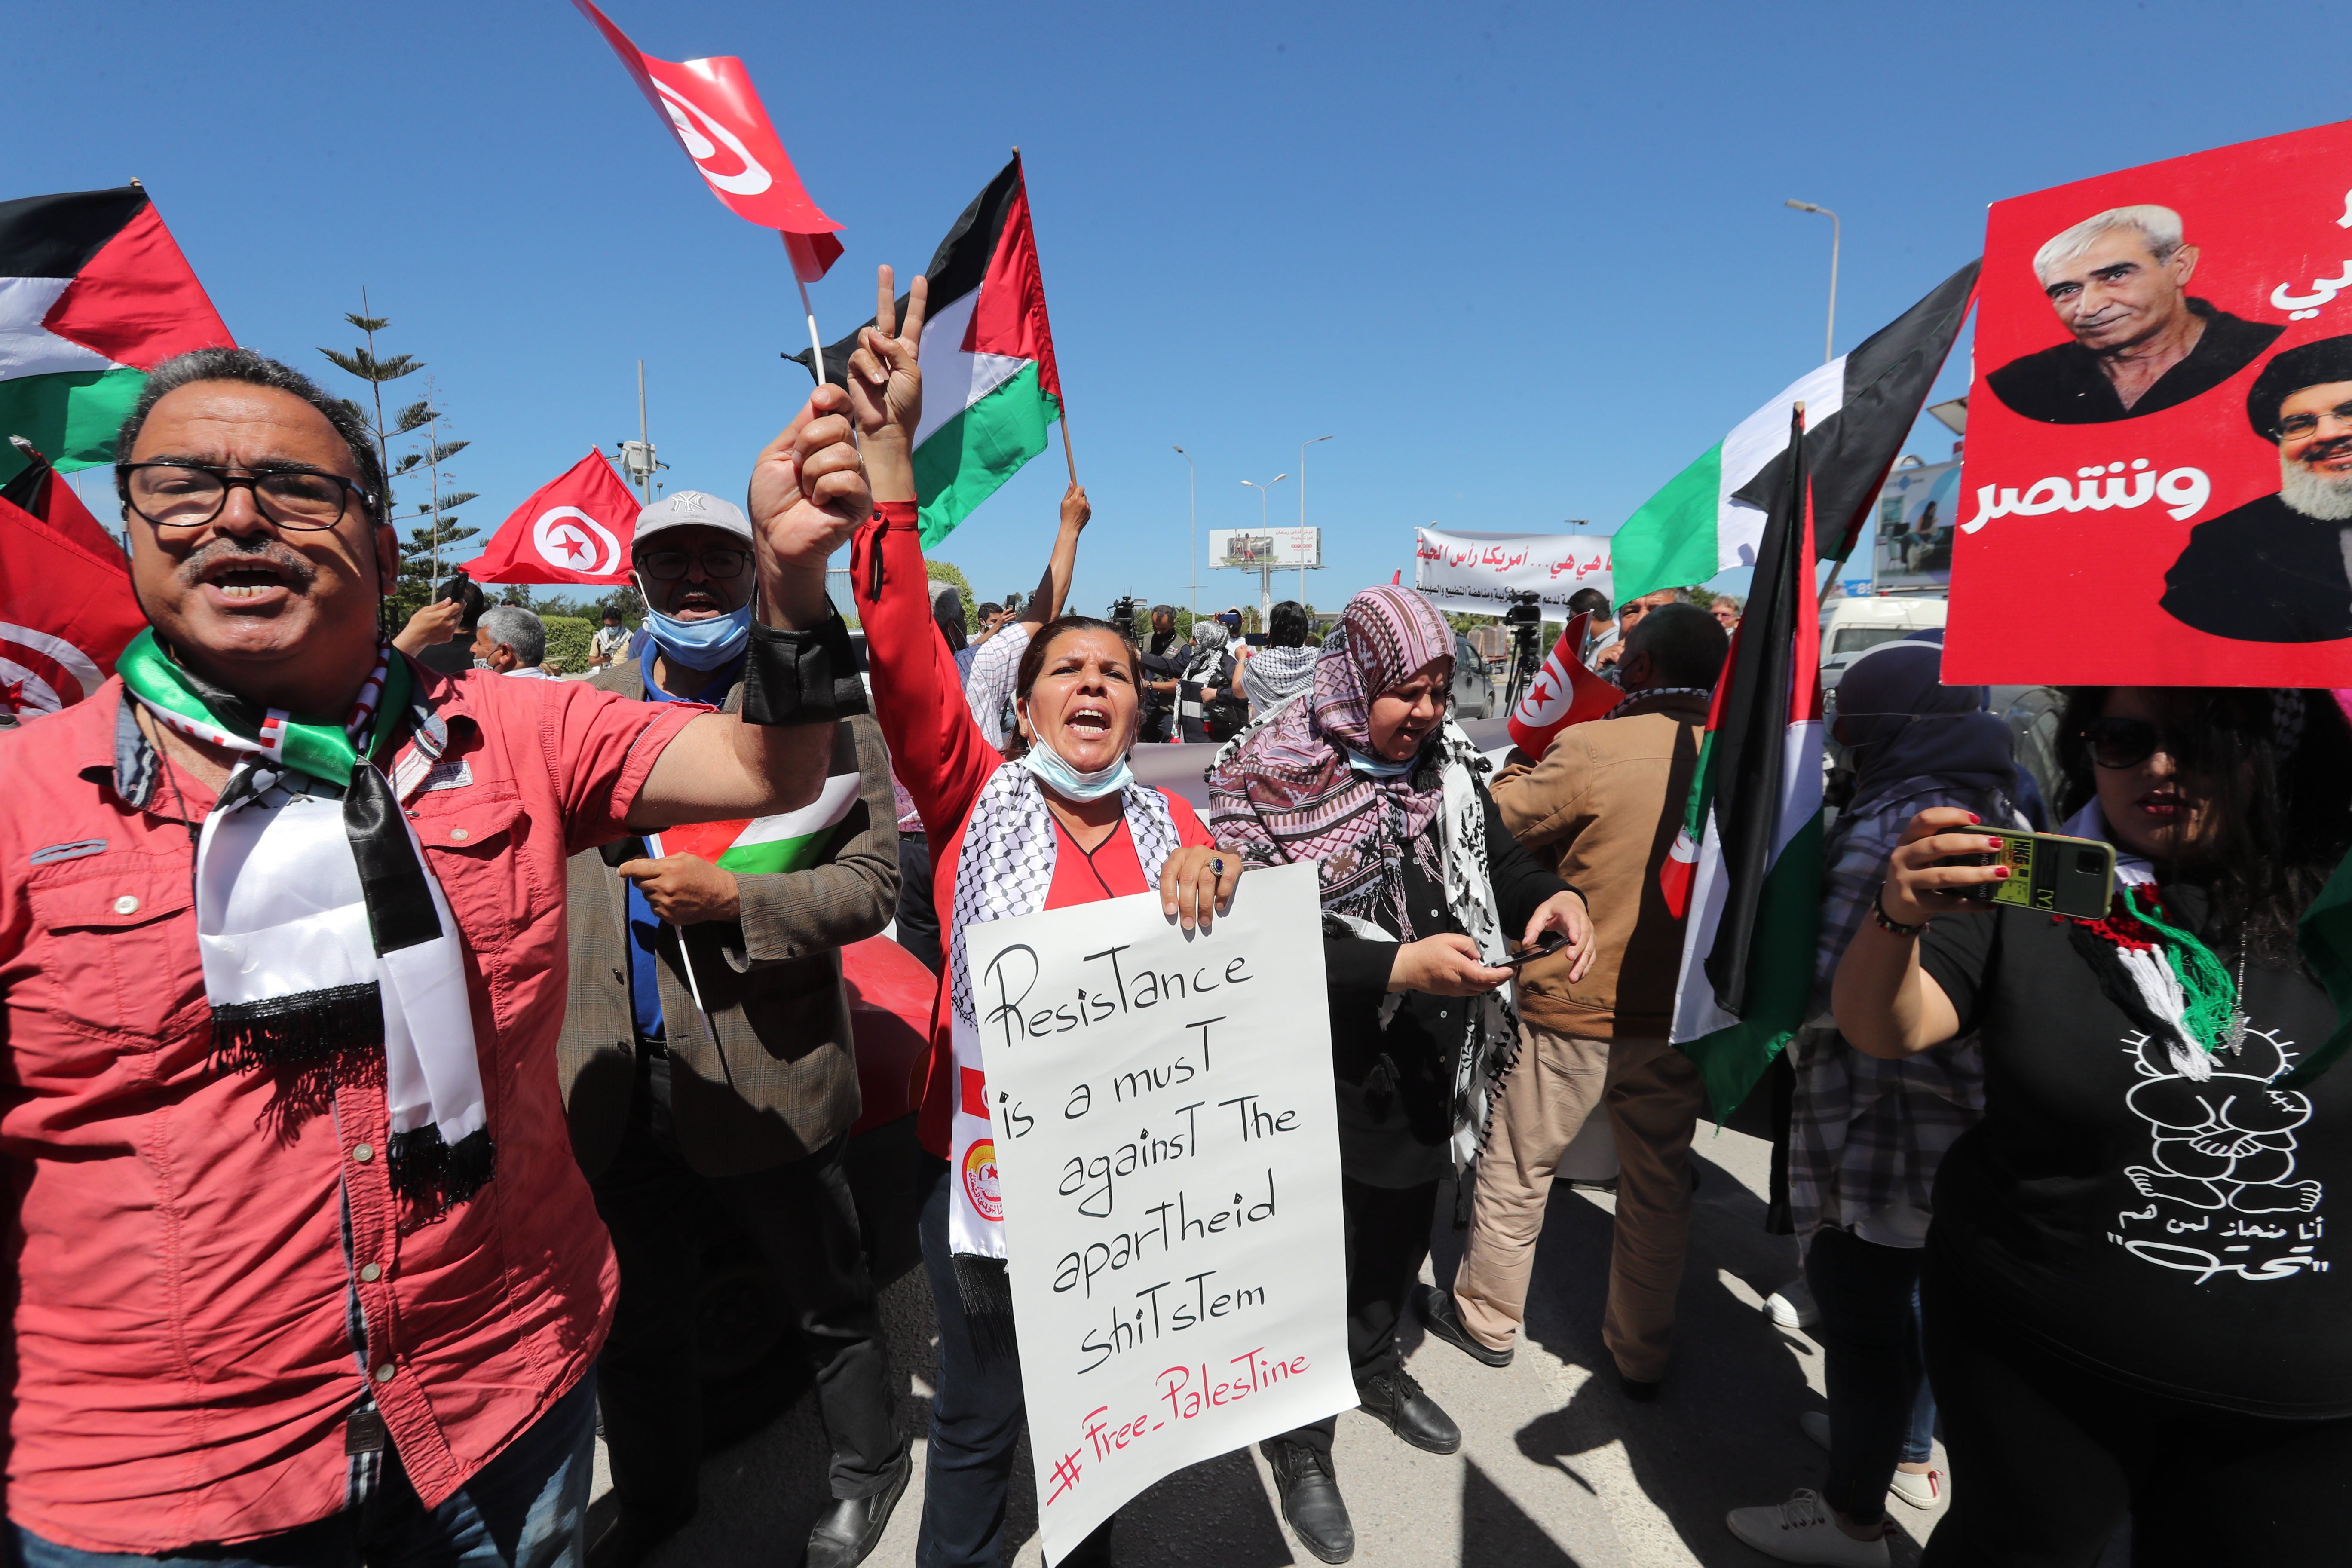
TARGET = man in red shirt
x,y
305,1273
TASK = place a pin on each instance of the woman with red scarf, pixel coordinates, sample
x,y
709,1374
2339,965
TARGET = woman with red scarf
x,y
1056,819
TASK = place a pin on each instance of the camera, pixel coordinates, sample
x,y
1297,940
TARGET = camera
x,y
1526,608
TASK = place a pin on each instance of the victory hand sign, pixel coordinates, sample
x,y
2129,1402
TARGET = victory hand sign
x,y
886,388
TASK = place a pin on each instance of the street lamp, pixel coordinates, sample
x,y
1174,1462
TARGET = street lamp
x,y
1830,337
1266,574
1193,535
1302,515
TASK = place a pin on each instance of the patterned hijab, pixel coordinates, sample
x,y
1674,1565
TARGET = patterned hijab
x,y
1289,794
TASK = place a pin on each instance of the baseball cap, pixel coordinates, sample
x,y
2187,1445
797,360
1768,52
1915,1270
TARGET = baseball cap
x,y
692,508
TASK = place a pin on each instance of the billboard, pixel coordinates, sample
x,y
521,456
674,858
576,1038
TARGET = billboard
x,y
1478,573
2158,469
1258,548
1912,527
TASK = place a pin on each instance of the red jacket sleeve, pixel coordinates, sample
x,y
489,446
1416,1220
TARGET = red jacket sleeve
x,y
937,751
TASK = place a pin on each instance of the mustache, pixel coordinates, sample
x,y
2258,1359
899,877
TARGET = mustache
x,y
300,572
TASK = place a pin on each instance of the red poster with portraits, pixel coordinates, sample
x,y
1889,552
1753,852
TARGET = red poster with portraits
x,y
2157,481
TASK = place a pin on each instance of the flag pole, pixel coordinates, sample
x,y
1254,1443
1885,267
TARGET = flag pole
x,y
1068,456
808,313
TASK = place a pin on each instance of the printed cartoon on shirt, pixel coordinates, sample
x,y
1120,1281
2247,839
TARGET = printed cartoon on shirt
x,y
2161,404
2219,1183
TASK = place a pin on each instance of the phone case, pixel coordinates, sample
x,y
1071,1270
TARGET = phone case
x,y
2075,877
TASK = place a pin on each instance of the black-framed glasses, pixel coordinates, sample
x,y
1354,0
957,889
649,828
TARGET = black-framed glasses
x,y
669,566
189,495
2295,426
2120,743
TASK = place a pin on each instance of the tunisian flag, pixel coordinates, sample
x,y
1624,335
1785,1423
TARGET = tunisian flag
x,y
1565,693
66,610
575,527
713,109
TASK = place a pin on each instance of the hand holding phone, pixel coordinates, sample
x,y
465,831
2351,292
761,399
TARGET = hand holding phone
x,y
1553,941
2051,871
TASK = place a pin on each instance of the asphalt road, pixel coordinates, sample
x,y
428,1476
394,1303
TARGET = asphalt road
x,y
1557,1470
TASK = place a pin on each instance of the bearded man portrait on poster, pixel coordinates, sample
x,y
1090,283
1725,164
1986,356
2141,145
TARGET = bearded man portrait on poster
x,y
2276,568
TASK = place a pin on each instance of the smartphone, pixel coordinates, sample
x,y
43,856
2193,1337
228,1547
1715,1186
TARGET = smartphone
x,y
1551,944
2049,871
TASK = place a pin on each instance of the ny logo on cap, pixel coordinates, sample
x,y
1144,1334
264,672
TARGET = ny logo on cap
x,y
687,501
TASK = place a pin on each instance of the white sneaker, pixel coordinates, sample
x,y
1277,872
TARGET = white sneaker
x,y
1793,1306
1923,1489
1802,1531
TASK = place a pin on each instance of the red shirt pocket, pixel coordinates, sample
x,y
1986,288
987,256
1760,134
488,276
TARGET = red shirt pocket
x,y
473,838
117,942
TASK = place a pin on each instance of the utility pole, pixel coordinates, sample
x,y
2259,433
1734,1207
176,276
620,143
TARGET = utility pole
x,y
1829,339
1302,515
1193,535
1265,572
637,459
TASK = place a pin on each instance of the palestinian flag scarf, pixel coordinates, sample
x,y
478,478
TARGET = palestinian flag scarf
x,y
324,937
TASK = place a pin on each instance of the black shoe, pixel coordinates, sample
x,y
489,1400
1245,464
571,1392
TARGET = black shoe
x,y
630,1538
851,1527
1396,1401
1634,1389
1442,1318
1311,1501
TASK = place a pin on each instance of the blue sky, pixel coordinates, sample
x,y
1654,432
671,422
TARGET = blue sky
x,y
1524,262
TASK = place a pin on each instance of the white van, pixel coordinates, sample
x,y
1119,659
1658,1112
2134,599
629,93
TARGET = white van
x,y
1853,627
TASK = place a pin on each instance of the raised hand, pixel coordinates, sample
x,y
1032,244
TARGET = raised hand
x,y
1075,509
885,385
1919,885
808,493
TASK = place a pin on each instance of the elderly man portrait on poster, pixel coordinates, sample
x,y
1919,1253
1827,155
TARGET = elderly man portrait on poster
x,y
2276,569
2139,342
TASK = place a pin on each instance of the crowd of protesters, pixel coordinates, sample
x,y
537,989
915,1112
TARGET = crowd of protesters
x,y
369,1049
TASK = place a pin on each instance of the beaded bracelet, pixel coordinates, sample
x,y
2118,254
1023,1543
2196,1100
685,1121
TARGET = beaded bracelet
x,y
1889,924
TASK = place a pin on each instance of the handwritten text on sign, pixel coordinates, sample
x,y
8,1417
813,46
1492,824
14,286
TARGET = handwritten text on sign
x,y
1169,1155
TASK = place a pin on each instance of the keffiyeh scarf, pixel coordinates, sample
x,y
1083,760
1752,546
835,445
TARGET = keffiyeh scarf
x,y
1275,675
1283,790
1006,869
323,935
1209,640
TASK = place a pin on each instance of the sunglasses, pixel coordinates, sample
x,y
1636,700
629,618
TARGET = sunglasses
x,y
2120,743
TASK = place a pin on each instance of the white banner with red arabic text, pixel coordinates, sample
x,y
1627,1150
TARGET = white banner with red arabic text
x,y
1478,573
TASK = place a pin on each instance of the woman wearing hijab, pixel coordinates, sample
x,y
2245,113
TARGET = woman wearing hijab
x,y
1866,1135
1285,666
1056,819
1209,669
1421,888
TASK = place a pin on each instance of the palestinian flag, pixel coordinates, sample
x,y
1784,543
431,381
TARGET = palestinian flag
x,y
989,387
1747,868
1859,409
791,841
93,295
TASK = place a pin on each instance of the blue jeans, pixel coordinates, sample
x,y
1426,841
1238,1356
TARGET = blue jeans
x,y
1881,1409
525,1508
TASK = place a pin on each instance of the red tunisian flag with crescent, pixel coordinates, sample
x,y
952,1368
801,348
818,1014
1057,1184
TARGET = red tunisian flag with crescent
x,y
577,528
1564,693
713,109
66,610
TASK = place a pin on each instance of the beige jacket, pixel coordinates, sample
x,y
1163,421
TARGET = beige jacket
x,y
1602,808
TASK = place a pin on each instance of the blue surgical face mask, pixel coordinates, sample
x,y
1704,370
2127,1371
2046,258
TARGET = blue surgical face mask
x,y
698,645
1066,781
1379,767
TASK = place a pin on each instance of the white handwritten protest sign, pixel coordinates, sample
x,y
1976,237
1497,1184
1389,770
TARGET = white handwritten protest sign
x,y
1480,572
1169,1148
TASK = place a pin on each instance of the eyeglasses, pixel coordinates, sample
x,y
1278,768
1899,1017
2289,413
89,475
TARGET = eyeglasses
x,y
2118,744
669,566
189,495
2295,426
